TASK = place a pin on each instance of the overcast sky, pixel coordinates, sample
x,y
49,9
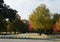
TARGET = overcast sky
x,y
26,7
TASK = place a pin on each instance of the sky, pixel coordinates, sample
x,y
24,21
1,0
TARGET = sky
x,y
26,7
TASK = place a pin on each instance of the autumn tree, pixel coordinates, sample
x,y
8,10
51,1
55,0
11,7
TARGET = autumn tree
x,y
56,22
40,19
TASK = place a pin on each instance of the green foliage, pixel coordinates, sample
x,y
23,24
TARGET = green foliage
x,y
6,13
40,18
55,18
56,23
1,1
13,24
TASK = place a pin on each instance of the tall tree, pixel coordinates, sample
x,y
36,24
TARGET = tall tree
x,y
56,22
40,19
6,13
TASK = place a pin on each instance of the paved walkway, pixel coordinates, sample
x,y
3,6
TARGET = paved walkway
x,y
25,40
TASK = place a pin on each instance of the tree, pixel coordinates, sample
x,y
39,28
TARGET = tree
x,y
30,27
56,27
59,25
6,13
55,17
25,25
56,22
14,23
18,25
1,1
40,19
